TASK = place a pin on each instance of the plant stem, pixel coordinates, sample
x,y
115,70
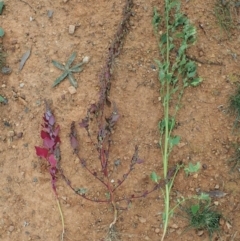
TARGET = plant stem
x,y
62,218
166,142
114,215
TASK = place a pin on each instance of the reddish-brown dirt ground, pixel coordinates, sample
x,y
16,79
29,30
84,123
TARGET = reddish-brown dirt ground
x,y
28,210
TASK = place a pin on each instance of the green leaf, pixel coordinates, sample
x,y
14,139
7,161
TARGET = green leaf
x,y
60,78
182,49
163,38
180,19
1,32
2,100
58,65
72,80
171,46
154,177
162,125
71,59
179,35
195,208
1,6
161,75
156,19
204,196
196,81
172,4
169,77
77,68
173,141
191,69
191,168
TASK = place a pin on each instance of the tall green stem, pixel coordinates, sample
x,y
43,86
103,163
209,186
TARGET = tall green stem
x,y
166,142
174,77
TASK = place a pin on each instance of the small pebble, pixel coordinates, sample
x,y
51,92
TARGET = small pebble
x,y
13,41
174,226
229,226
11,228
35,179
117,162
19,135
72,90
221,221
157,230
11,133
195,175
71,29
200,232
6,70
216,186
50,13
142,220
3,86
21,85
86,59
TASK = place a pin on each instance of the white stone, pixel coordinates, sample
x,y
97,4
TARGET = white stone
x,y
86,59
72,90
71,29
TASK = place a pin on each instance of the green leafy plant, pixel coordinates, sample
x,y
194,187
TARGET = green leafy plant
x,y
1,32
202,216
235,158
67,71
2,57
174,34
3,100
1,6
234,106
191,168
224,15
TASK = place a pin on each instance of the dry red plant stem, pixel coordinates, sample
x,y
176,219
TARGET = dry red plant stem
x,y
105,127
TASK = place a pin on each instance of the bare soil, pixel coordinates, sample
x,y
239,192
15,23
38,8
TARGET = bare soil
x,y
27,204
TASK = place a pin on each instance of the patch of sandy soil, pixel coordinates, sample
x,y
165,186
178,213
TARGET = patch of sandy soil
x,y
28,210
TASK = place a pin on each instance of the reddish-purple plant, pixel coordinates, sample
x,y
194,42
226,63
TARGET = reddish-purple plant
x,y
50,151
105,128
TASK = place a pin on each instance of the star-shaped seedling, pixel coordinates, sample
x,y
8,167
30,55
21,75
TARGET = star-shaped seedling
x,y
67,71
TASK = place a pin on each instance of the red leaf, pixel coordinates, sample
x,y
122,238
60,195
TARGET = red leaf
x,y
52,160
57,140
41,151
44,134
48,143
